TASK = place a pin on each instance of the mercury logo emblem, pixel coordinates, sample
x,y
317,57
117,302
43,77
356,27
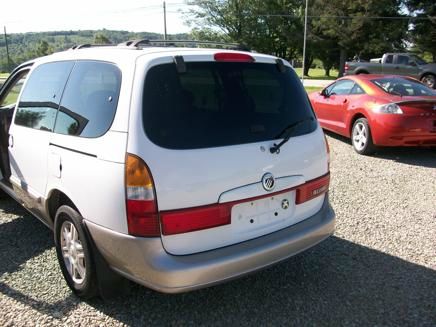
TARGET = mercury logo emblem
x,y
268,182
285,204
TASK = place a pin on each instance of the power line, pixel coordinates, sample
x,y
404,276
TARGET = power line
x,y
351,17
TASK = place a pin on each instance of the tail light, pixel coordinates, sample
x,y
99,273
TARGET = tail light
x,y
312,189
346,67
141,206
194,219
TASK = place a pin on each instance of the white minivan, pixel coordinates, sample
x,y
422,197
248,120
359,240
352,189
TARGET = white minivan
x,y
177,168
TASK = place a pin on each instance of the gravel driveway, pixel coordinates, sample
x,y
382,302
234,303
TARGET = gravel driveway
x,y
378,269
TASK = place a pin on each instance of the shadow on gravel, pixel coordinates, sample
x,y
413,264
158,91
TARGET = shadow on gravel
x,y
423,157
22,239
335,283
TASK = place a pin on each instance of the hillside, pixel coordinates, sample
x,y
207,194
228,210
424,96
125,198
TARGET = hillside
x,y
25,46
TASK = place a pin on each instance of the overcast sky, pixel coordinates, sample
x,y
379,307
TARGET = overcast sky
x,y
55,15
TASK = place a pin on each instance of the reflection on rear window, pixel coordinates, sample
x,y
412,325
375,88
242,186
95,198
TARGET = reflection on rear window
x,y
403,87
218,104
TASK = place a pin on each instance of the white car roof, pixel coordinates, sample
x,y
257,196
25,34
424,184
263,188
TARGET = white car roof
x,y
124,54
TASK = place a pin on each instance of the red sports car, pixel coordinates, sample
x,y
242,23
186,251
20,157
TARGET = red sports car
x,y
378,110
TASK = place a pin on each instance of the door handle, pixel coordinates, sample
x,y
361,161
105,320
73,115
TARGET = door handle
x,y
11,141
345,101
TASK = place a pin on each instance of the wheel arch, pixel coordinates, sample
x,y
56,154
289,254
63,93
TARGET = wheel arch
x,y
56,199
361,71
353,119
426,73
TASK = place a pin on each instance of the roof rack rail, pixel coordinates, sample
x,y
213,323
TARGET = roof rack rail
x,y
192,43
87,45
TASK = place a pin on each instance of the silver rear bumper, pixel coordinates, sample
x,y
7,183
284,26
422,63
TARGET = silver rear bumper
x,y
145,261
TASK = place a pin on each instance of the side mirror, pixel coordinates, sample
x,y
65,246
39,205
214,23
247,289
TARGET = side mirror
x,y
324,93
412,63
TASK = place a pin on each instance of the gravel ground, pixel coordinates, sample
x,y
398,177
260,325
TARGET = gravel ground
x,y
378,269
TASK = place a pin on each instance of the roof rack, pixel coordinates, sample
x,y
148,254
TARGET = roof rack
x,y
191,43
87,45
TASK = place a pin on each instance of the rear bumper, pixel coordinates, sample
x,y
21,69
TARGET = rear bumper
x,y
145,261
399,130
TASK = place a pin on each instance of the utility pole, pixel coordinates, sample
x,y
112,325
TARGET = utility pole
x,y
165,20
7,48
304,42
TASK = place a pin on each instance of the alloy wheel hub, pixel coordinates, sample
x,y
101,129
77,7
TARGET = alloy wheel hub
x,y
73,253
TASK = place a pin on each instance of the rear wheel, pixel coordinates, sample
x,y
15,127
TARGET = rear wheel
x,y
361,137
74,253
429,80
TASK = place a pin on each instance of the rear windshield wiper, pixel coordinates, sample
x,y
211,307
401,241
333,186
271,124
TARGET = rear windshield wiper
x,y
288,131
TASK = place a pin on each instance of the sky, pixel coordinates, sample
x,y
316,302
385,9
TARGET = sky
x,y
55,15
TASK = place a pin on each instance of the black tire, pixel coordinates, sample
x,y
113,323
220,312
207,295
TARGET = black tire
x,y
85,287
429,80
361,137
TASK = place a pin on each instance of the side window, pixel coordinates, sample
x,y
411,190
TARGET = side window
x,y
357,89
389,59
40,99
402,60
11,94
342,87
328,89
90,99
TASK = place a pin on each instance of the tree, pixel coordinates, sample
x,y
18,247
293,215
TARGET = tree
x,y
101,39
208,34
357,26
423,33
253,23
43,49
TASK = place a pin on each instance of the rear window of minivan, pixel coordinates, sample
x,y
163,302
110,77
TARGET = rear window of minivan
x,y
222,103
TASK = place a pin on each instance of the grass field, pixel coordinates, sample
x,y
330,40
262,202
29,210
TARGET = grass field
x,y
4,75
310,89
318,73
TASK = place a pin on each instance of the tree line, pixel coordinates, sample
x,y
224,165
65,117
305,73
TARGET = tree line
x,y
26,46
336,30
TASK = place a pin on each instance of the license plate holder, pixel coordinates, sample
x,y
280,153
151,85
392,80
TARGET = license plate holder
x,y
264,213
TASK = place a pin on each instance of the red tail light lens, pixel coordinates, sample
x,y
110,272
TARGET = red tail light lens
x,y
142,219
233,57
141,206
346,67
312,189
192,219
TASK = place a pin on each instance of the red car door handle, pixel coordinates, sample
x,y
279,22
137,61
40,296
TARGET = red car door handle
x,y
345,101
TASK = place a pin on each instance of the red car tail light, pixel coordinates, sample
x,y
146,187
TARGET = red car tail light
x,y
193,219
233,57
346,67
141,206
312,189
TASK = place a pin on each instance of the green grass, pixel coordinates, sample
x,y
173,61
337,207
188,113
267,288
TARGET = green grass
x,y
310,89
4,75
318,73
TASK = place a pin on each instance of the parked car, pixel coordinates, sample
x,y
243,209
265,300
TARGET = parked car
x,y
176,168
403,64
378,110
